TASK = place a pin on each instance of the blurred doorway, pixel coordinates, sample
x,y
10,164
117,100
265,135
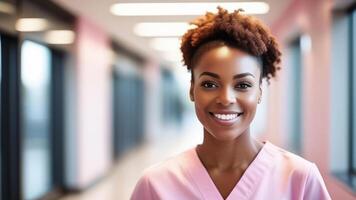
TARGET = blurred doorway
x,y
294,97
41,120
35,102
128,112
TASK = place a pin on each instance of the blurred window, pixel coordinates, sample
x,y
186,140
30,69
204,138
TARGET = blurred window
x,y
343,98
172,107
128,112
294,97
352,65
35,103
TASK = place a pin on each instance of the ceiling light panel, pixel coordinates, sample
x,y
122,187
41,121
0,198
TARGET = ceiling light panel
x,y
165,44
175,57
187,8
31,24
164,29
6,8
59,37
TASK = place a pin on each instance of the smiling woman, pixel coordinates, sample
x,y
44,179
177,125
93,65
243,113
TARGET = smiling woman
x,y
226,91
229,54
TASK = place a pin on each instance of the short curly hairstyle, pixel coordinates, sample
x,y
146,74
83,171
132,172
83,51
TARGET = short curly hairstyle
x,y
234,30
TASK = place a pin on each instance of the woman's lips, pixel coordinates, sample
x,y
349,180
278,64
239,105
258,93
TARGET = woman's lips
x,y
225,118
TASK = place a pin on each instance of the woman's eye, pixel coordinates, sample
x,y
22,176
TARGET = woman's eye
x,y
243,86
208,85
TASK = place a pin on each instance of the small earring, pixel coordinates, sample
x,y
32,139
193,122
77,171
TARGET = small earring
x,y
259,100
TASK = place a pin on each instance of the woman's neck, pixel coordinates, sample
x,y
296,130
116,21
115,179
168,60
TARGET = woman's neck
x,y
227,155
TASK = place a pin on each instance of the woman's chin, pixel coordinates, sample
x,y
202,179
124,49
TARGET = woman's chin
x,y
225,136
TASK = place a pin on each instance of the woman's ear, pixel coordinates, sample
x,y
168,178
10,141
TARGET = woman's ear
x,y
191,91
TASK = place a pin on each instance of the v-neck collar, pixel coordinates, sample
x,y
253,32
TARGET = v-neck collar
x,y
244,187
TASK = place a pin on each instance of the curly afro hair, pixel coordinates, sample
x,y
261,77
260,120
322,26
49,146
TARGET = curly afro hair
x,y
234,30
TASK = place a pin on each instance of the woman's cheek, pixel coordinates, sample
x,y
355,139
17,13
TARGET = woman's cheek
x,y
200,107
251,99
200,114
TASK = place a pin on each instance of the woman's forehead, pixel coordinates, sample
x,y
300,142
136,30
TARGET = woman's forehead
x,y
229,60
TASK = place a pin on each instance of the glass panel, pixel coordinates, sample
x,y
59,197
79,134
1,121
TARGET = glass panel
x,y
353,65
294,98
340,95
35,78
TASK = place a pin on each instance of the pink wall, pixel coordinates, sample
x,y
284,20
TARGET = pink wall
x,y
314,19
93,75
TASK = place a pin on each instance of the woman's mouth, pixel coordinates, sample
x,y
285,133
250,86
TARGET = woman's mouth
x,y
226,119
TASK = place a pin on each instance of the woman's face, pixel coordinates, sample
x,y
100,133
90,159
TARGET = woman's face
x,y
226,91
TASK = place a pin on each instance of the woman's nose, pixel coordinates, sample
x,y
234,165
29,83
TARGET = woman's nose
x,y
226,97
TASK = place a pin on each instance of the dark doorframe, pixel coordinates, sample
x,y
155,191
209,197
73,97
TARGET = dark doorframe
x,y
57,121
10,119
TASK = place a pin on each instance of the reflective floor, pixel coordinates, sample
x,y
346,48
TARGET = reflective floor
x,y
121,181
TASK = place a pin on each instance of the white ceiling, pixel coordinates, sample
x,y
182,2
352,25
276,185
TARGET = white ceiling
x,y
121,28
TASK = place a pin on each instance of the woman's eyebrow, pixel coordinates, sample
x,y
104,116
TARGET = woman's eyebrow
x,y
210,74
237,76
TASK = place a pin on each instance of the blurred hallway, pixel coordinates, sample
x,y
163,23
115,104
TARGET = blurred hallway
x,y
120,181
93,92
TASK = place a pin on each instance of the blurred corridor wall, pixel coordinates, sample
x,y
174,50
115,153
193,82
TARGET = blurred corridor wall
x,y
311,22
89,152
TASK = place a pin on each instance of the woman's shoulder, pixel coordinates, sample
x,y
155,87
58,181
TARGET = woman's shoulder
x,y
294,166
287,158
288,165
300,171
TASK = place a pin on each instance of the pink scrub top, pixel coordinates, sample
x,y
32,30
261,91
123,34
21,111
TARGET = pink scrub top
x,y
273,174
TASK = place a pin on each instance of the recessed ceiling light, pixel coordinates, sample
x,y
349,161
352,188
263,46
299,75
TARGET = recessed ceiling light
x,y
165,44
59,37
161,29
31,24
174,56
187,8
6,8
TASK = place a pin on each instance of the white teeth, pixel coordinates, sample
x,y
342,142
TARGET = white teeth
x,y
226,116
